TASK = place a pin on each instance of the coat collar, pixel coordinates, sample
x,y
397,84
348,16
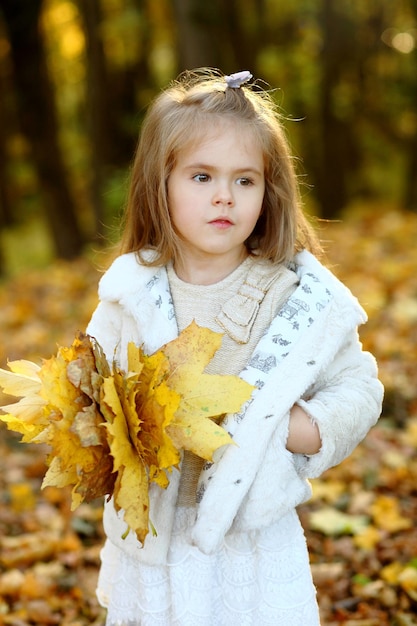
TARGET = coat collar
x,y
144,292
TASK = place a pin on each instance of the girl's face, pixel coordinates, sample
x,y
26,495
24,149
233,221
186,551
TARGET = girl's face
x,y
215,195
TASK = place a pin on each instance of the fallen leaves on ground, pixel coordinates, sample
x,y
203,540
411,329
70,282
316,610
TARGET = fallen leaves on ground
x,y
360,524
374,252
49,556
361,531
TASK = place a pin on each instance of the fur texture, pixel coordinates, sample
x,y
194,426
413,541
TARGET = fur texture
x,y
257,481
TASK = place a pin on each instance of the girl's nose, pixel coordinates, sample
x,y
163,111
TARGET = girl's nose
x,y
223,196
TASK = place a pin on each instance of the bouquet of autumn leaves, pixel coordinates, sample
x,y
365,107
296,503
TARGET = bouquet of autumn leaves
x,y
112,433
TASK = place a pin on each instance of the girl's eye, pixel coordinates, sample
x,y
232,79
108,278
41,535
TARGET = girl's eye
x,y
244,181
201,178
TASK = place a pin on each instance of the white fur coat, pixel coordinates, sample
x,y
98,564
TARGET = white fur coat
x,y
259,480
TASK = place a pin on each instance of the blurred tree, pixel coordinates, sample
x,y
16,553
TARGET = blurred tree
x,y
140,75
226,35
112,90
201,33
410,196
5,204
125,34
38,120
6,211
339,151
346,70
6,127
99,111
245,33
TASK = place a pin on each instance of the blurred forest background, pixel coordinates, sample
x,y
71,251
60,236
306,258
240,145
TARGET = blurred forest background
x,y
76,77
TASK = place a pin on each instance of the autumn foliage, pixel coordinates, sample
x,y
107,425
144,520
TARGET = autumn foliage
x,y
360,524
112,433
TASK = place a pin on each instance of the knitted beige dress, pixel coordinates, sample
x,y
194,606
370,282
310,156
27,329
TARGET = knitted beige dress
x,y
256,579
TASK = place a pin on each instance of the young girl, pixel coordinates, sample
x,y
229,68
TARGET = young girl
x,y
214,233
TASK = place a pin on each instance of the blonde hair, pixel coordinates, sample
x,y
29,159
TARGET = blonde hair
x,y
176,119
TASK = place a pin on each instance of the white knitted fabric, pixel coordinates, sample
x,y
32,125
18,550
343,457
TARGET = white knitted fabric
x,y
260,578
203,303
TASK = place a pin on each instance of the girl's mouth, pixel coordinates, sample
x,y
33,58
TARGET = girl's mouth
x,y
222,222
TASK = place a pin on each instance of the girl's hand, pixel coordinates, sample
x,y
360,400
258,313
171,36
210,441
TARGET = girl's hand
x,y
303,433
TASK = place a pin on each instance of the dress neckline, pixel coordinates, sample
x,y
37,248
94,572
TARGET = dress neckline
x,y
240,270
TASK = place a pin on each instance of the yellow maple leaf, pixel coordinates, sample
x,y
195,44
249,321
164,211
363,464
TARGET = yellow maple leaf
x,y
22,380
385,511
25,416
79,448
131,486
202,395
155,405
61,396
367,538
403,575
112,432
164,404
58,407
327,490
408,581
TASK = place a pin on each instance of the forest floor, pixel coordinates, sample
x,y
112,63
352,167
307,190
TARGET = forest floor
x,y
361,521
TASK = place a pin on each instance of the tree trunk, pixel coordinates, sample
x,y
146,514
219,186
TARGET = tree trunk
x,y
331,188
246,31
99,111
6,213
38,120
202,40
339,146
410,194
8,127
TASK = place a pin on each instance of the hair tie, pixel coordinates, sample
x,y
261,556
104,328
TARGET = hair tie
x,y
235,81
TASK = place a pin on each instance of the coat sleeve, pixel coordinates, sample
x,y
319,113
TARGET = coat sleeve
x,y
105,327
345,403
